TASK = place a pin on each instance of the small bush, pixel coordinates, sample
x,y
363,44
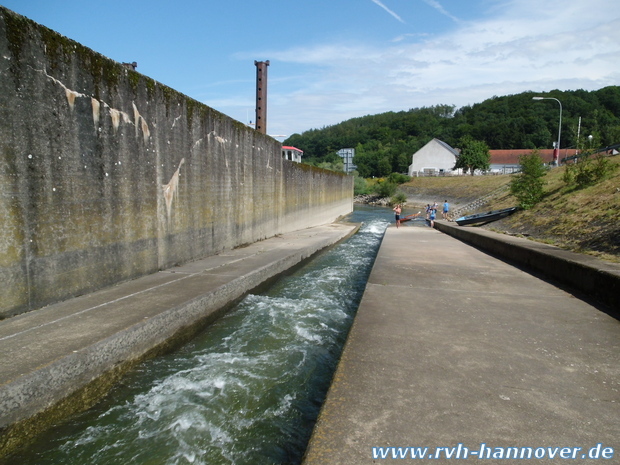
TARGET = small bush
x,y
587,171
398,178
399,197
568,177
385,189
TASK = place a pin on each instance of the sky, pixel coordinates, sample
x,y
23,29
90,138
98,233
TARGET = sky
x,y
332,60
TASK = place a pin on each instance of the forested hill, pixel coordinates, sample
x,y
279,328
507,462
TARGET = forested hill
x,y
385,142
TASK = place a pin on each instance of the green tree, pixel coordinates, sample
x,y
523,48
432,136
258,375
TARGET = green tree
x,y
474,155
384,167
528,185
504,122
385,188
365,162
360,185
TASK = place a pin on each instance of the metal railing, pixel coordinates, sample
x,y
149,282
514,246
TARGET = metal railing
x,y
476,204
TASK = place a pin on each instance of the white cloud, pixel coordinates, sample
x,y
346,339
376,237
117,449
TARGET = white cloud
x,y
435,4
521,45
388,10
402,37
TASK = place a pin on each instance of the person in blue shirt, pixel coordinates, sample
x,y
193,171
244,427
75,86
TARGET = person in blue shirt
x,y
446,209
431,217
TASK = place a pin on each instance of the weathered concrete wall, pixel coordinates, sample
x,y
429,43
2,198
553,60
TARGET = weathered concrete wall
x,y
106,175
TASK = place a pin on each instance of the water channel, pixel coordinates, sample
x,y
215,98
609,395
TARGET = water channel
x,y
246,391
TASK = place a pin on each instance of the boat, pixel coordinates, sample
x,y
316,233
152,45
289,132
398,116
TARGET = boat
x,y
409,217
487,217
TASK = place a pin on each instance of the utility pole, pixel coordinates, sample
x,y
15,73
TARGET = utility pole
x,y
556,150
578,132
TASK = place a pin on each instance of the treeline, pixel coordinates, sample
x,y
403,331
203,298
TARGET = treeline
x,y
385,142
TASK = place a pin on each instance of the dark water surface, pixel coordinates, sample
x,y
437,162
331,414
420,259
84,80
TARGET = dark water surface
x,y
247,390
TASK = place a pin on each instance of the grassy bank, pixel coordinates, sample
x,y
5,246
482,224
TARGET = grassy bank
x,y
584,220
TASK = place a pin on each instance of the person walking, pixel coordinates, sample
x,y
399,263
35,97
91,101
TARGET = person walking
x,y
431,217
446,209
397,210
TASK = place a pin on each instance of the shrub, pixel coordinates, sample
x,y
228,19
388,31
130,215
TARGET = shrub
x,y
398,178
587,172
399,197
360,186
527,186
385,188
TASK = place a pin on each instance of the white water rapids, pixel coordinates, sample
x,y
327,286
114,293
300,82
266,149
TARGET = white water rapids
x,y
245,391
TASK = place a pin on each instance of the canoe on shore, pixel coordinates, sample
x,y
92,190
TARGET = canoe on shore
x,y
487,217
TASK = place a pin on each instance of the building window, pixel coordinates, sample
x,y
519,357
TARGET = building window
x,y
292,154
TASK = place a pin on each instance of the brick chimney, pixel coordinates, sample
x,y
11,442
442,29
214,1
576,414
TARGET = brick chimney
x,y
261,96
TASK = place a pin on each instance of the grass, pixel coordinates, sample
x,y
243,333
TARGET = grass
x,y
462,188
582,220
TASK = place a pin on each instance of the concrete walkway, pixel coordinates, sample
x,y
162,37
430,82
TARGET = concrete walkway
x,y
62,358
452,346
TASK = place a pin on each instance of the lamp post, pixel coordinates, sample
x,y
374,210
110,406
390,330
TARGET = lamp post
x,y
556,150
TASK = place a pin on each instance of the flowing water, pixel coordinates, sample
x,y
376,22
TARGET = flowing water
x,y
247,390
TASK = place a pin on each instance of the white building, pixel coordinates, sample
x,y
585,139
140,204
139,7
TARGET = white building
x,y
434,159
347,158
292,153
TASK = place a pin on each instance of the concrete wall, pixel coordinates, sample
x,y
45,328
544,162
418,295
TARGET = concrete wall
x,y
106,174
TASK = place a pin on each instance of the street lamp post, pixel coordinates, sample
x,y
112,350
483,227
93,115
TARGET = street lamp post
x,y
556,150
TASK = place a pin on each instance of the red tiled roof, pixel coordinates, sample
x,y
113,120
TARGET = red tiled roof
x,y
511,156
290,147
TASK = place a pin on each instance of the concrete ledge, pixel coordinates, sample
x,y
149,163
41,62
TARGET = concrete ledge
x,y
594,277
63,358
451,345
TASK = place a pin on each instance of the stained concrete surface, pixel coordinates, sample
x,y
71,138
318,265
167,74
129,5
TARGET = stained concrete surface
x,y
51,353
451,345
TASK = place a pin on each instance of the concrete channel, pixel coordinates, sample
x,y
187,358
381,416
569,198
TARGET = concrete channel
x,y
63,358
456,353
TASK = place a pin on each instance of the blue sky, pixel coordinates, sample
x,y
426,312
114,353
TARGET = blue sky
x,y
338,59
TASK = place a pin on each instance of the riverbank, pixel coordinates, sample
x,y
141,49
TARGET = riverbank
x,y
585,220
371,199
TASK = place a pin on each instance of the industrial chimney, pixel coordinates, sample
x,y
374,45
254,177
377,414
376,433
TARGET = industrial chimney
x,y
261,96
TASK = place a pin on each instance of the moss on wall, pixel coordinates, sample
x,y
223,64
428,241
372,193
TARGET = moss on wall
x,y
156,173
